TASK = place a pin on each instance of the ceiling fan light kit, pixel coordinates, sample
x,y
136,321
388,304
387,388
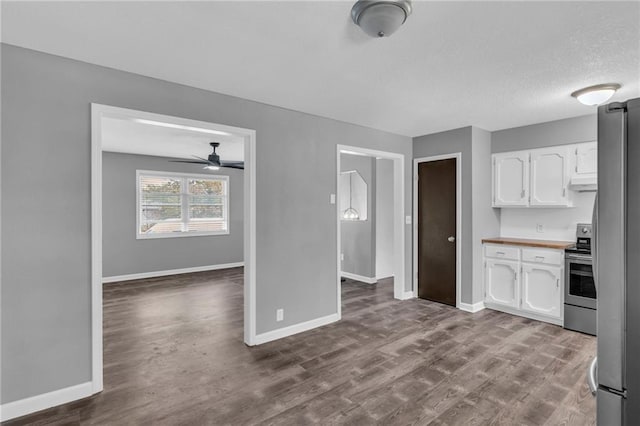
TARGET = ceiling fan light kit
x,y
596,95
380,18
350,213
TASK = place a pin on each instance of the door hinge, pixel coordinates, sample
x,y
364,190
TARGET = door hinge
x,y
564,192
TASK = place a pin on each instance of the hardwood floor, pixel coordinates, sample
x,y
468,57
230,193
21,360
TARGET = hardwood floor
x,y
174,355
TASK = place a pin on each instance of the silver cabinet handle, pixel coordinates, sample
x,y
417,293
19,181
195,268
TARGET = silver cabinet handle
x,y
451,239
591,376
557,282
539,258
500,253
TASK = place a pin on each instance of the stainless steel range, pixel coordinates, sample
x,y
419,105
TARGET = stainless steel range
x,y
580,287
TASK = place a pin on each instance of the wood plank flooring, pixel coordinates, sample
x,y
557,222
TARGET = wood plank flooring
x,y
174,355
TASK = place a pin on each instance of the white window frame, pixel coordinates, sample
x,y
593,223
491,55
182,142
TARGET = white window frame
x,y
184,206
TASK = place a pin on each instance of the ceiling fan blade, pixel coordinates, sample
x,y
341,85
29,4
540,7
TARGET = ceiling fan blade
x,y
233,165
189,161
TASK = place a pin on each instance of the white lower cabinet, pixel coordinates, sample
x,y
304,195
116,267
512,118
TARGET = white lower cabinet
x,y
529,283
541,290
502,282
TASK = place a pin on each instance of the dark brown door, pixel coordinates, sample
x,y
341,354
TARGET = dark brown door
x,y
437,231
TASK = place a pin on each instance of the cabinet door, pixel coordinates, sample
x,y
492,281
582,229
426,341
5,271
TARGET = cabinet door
x,y
542,290
502,284
586,158
550,177
511,179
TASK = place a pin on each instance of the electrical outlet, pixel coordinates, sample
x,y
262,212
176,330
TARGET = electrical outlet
x,y
341,256
539,227
279,314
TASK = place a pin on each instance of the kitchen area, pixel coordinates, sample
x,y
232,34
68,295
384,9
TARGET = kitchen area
x,y
540,266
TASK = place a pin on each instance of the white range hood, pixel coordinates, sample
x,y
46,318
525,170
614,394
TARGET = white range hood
x,y
584,183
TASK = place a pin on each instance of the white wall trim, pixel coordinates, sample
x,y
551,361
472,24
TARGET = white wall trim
x,y
399,260
408,295
416,161
362,278
22,407
97,113
143,275
473,308
295,329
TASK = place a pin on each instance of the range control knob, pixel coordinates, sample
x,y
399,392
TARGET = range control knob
x,y
585,230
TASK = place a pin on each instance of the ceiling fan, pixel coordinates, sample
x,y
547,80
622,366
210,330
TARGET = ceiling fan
x,y
213,162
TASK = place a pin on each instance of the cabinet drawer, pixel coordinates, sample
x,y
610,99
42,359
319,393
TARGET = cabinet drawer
x,y
502,252
548,257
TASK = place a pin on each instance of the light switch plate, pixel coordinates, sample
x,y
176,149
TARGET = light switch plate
x,y
407,220
279,314
332,198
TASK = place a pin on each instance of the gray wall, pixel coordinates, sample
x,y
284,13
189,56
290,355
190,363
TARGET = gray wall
x,y
384,218
458,140
123,254
358,238
551,133
485,219
46,208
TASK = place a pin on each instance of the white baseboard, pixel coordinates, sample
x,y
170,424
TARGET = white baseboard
x,y
22,407
360,278
473,308
384,277
154,274
407,295
295,329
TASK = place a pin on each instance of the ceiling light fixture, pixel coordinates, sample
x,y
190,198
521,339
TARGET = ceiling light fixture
x,y
350,213
596,95
181,127
380,18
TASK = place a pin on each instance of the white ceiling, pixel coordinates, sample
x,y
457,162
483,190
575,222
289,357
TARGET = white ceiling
x,y
130,137
490,64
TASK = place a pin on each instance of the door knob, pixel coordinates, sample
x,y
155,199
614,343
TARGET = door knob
x,y
451,239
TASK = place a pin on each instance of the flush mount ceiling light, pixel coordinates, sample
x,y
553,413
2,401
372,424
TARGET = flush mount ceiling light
x,y
595,95
380,18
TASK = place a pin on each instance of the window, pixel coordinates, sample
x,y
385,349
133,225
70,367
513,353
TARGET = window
x,y
181,205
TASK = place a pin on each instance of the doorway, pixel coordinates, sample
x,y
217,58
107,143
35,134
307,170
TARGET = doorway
x,y
246,137
437,207
398,225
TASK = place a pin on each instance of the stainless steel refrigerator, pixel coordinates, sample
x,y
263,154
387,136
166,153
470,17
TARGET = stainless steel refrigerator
x,y
614,376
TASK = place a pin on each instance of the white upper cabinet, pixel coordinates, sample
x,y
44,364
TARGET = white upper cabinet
x,y
511,179
586,158
550,173
502,284
542,290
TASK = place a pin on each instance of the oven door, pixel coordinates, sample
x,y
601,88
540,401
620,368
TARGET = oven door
x,y
580,287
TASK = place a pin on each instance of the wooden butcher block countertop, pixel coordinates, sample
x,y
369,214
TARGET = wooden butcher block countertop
x,y
558,245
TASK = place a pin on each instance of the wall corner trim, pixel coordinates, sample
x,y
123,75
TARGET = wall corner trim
x,y
22,407
408,295
360,278
295,329
469,307
155,274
